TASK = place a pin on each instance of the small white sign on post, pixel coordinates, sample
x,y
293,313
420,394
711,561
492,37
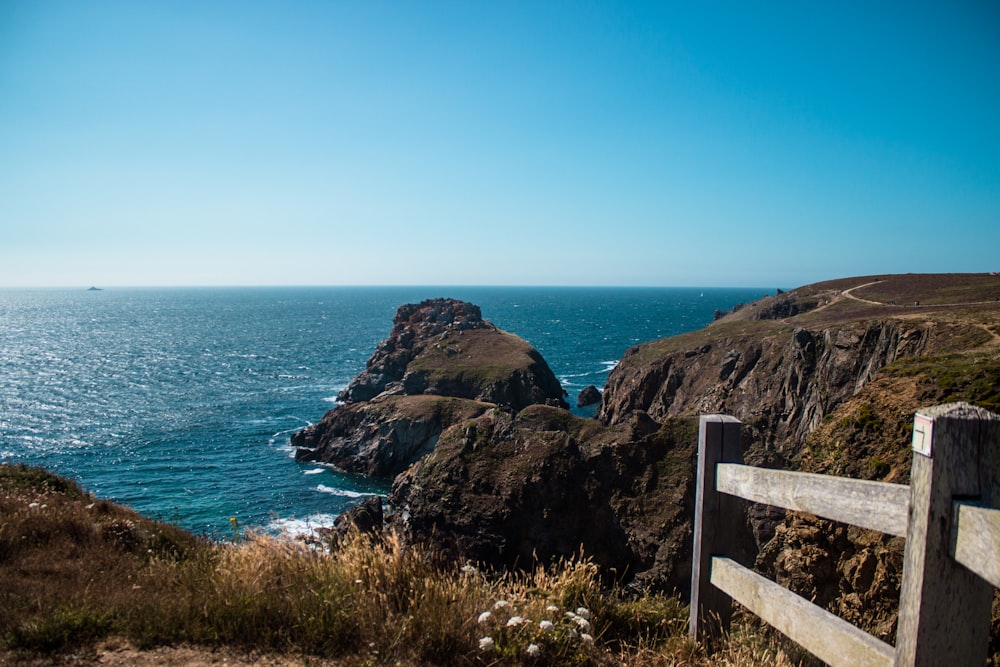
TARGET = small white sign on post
x,y
923,430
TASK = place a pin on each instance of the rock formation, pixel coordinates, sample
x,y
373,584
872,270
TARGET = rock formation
x,y
441,364
780,381
589,395
515,490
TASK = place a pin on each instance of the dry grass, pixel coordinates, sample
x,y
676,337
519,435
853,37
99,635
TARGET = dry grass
x,y
78,571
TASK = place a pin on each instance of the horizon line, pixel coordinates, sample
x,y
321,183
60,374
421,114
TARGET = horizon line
x,y
383,286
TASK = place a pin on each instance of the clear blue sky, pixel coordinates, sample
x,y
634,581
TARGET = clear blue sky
x,y
496,142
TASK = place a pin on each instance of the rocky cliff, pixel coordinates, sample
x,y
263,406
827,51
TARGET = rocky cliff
x,y
512,491
782,374
826,379
441,364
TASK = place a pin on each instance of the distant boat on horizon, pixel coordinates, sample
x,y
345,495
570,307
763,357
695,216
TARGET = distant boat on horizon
x,y
95,289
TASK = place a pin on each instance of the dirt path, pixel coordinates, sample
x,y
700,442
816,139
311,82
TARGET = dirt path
x,y
995,337
849,293
836,297
120,653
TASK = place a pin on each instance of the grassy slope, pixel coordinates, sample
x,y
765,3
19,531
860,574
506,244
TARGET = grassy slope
x,y
78,571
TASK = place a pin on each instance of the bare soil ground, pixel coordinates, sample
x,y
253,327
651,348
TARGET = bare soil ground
x,y
120,653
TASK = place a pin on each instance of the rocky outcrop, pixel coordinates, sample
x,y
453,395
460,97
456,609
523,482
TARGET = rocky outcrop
x,y
441,364
366,517
413,328
382,437
444,347
589,395
512,491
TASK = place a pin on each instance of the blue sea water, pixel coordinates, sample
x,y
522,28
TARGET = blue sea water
x,y
179,402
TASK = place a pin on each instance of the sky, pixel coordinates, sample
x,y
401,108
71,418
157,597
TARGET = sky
x,y
752,144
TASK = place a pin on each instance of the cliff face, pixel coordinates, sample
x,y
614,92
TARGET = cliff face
x,y
512,491
780,381
826,379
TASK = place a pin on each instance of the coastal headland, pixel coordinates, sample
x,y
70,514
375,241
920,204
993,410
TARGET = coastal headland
x,y
825,378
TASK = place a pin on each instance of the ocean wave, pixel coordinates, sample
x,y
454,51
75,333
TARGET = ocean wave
x,y
314,471
292,528
579,375
568,378
323,488
291,430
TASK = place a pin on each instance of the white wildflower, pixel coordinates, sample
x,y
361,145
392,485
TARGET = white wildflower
x,y
545,625
552,609
515,621
486,644
500,604
579,620
32,505
469,570
534,650
586,639
583,612
485,616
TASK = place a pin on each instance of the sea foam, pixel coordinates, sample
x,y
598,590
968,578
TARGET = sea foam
x,y
345,493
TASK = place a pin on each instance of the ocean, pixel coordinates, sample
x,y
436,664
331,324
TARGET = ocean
x,y
179,402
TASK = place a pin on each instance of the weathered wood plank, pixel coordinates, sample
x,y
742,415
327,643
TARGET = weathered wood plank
x,y
976,536
827,636
714,530
876,505
944,609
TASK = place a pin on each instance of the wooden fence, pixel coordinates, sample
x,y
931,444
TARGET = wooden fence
x,y
948,515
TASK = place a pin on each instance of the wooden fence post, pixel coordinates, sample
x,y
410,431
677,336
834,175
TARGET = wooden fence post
x,y
716,524
944,608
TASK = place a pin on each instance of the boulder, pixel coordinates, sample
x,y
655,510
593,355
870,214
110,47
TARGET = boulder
x,y
589,395
366,517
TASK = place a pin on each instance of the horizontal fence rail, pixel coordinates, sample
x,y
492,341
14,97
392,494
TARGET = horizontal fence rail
x,y
879,506
977,540
825,635
948,515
